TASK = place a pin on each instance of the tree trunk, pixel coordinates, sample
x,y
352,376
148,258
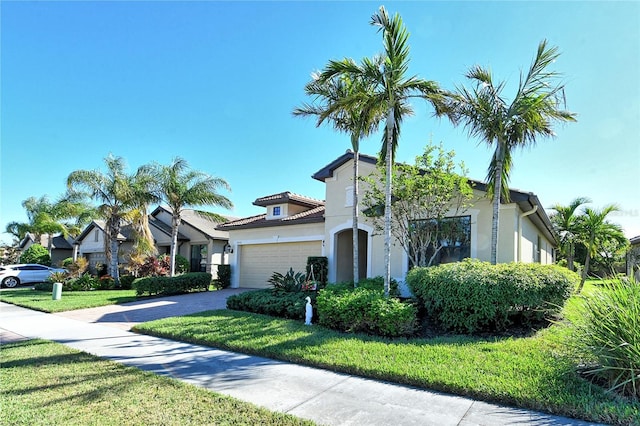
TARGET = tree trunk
x,y
585,271
570,250
50,244
356,253
175,224
113,230
497,190
387,202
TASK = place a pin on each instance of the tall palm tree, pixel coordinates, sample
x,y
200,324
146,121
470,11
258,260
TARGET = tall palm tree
x,y
391,91
354,120
566,223
507,126
117,194
180,187
595,229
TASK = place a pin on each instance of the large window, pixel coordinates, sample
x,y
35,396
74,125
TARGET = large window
x,y
440,241
199,258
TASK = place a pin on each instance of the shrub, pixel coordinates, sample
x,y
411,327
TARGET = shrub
x,y
126,281
290,282
45,286
182,264
78,267
472,296
608,331
275,303
224,277
58,277
365,310
160,285
36,254
82,283
105,282
320,269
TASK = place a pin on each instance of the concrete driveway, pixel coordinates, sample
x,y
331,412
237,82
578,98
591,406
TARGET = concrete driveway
x,y
127,315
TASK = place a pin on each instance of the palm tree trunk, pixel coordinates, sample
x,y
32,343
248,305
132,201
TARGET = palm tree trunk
x,y
570,251
497,190
387,202
356,253
50,244
585,271
175,224
113,229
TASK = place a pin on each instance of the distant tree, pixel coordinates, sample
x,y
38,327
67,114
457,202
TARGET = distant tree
x,y
595,231
35,253
566,222
180,187
508,126
423,195
117,194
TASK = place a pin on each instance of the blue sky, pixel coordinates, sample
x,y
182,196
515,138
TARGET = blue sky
x,y
215,83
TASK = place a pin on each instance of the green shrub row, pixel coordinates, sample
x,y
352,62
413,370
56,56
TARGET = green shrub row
x,y
472,296
194,281
275,303
365,310
224,277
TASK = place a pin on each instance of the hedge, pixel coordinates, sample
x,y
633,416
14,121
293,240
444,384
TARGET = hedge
x,y
365,310
472,296
194,281
275,303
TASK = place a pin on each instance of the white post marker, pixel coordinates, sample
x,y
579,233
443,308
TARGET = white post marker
x,y
57,291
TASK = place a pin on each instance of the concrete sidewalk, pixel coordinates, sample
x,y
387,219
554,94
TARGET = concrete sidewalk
x,y
322,396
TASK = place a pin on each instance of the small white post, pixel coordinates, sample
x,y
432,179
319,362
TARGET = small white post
x,y
57,291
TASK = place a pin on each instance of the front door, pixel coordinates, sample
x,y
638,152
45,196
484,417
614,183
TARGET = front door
x,y
198,258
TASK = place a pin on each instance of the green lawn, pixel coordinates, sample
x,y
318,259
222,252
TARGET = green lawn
x,y
45,383
537,372
70,300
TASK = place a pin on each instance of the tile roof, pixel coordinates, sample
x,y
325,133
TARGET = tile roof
x,y
287,197
314,215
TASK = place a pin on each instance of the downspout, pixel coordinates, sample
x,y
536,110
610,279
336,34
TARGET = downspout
x,y
523,215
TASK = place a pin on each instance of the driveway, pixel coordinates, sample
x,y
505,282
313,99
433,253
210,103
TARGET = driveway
x,y
127,315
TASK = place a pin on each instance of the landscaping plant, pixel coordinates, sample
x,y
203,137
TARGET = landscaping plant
x,y
608,331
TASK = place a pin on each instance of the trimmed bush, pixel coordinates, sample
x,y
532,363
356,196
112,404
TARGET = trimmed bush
x,y
194,281
36,254
472,296
126,281
224,277
275,303
365,310
182,264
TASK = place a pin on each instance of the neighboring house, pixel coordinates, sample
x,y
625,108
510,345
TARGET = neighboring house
x,y
294,227
61,247
198,240
633,258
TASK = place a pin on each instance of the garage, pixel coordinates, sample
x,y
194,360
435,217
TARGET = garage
x,y
259,261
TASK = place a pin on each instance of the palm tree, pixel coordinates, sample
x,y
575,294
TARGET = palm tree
x,y
391,91
566,223
117,194
594,230
64,216
353,120
181,187
486,115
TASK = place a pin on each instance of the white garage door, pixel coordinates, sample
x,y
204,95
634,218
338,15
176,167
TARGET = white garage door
x,y
259,261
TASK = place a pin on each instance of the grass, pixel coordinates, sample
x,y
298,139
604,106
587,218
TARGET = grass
x,y
44,383
70,300
536,372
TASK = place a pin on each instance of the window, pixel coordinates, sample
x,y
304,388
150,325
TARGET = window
x,y
198,258
348,200
276,211
449,239
96,236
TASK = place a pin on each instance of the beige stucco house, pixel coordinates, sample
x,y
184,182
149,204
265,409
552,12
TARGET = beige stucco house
x,y
198,240
294,227
633,258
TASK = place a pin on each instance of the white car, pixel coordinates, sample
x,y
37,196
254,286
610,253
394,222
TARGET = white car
x,y
13,275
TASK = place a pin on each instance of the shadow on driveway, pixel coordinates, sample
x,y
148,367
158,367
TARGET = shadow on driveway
x,y
126,315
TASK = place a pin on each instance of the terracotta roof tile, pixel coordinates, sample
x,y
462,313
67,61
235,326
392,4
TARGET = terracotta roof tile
x,y
287,197
314,215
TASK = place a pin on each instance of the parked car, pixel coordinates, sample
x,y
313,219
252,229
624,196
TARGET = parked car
x,y
13,275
